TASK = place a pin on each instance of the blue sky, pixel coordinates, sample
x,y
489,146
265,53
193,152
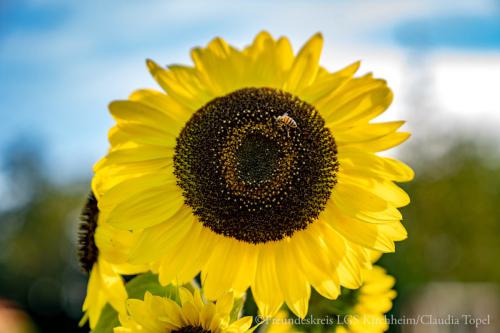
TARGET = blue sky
x,y
62,62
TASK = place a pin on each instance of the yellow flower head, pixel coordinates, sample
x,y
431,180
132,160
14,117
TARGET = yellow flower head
x,y
257,167
374,299
105,282
162,315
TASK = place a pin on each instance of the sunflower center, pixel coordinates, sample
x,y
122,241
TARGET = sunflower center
x,y
192,329
256,158
256,165
88,251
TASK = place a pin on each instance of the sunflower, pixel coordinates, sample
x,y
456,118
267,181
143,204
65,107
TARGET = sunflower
x,y
162,315
258,168
374,299
105,282
358,311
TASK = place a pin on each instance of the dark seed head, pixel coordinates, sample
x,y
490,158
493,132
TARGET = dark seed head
x,y
249,176
191,329
88,251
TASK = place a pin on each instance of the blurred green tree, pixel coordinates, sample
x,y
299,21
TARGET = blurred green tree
x,y
38,265
452,221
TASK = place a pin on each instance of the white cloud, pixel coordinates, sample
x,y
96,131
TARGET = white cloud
x,y
466,86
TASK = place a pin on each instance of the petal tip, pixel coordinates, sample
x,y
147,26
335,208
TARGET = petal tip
x,y
318,35
152,66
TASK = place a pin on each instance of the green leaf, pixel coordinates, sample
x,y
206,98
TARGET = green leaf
x,y
138,286
107,321
237,307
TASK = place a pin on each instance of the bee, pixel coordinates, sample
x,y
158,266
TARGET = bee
x,y
286,121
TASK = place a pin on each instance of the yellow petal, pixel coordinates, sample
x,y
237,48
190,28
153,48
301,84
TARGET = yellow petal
x,y
305,66
359,101
383,143
220,65
357,162
266,288
140,113
181,83
198,301
159,240
162,103
109,168
137,153
139,312
259,44
185,295
174,313
218,321
147,208
294,284
341,254
284,54
384,189
225,303
95,298
113,286
186,261
355,201
365,132
206,315
269,61
316,265
231,267
370,235
191,314
126,135
114,244
377,281
240,326
326,85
